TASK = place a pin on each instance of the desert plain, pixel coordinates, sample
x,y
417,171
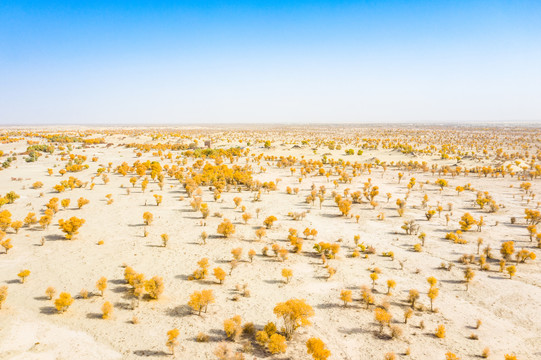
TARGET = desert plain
x,y
394,242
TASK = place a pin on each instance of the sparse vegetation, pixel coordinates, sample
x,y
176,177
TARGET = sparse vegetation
x,y
356,235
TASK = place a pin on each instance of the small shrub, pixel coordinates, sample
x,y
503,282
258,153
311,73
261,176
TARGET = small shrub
x,y
101,285
3,294
317,349
202,337
248,329
6,244
71,226
232,327
219,274
277,344
413,297
440,331
107,309
226,228
154,287
345,296
165,239
50,292
82,202
83,294
269,221
251,254
16,225
63,302
485,353
147,218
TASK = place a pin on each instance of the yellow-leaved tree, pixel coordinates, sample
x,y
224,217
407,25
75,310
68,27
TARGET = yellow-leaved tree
x,y
200,300
71,226
172,342
3,294
24,274
294,313
154,287
107,309
148,217
317,349
101,285
226,228
277,344
63,302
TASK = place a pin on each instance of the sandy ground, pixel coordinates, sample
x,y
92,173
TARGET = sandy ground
x,y
30,327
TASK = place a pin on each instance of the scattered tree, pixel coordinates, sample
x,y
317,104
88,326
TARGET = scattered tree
x,y
345,296
220,274
226,228
317,349
200,300
23,275
287,274
172,342
71,226
3,294
63,302
294,313
101,285
269,221
107,309
50,292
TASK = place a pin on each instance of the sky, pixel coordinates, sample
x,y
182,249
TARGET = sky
x,y
205,62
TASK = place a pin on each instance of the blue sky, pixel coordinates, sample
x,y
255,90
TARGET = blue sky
x,y
185,62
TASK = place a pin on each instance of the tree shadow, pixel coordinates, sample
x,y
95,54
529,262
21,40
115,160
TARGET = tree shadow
x,y
41,298
179,311
321,277
13,281
221,261
217,332
332,216
150,353
453,281
274,281
193,217
94,316
48,310
120,289
123,305
210,338
331,306
355,330
54,237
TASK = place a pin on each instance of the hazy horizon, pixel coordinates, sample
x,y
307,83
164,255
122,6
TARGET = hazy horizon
x,y
161,63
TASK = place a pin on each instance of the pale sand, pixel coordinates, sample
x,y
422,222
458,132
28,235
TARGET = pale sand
x,y
31,329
